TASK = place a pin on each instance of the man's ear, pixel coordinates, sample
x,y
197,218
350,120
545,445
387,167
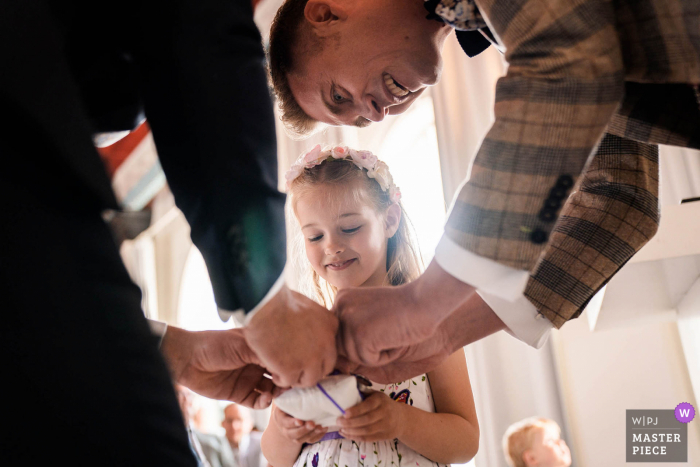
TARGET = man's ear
x,y
393,218
324,14
529,457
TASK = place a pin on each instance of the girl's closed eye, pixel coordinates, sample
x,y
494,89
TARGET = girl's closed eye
x,y
315,238
353,230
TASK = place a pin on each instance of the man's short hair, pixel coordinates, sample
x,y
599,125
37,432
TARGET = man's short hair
x,y
289,34
519,436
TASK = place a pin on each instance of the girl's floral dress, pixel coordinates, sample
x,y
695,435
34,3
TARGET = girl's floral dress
x,y
388,453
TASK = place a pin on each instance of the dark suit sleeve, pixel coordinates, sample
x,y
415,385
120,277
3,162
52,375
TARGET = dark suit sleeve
x,y
206,98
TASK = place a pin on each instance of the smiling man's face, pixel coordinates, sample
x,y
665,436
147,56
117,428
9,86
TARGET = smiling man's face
x,y
377,57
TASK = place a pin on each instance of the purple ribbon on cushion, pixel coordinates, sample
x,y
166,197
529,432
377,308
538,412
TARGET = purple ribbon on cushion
x,y
330,436
333,434
318,385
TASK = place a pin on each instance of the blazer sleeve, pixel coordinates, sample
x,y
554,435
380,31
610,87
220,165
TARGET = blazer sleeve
x,y
613,213
201,65
564,83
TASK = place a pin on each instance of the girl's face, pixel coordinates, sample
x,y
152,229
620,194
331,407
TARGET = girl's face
x,y
345,238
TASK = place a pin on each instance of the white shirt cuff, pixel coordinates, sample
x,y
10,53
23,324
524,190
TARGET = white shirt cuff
x,y
158,329
241,317
500,287
482,273
521,317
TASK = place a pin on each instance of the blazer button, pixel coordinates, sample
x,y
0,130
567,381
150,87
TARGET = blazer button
x,y
565,181
547,215
558,193
552,203
538,236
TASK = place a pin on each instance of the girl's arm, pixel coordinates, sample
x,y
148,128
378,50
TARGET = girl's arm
x,y
284,436
449,436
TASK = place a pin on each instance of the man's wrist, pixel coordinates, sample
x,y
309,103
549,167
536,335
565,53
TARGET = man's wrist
x,y
176,347
437,293
470,322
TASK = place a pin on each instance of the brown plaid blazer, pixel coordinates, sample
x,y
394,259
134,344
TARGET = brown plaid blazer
x,y
548,193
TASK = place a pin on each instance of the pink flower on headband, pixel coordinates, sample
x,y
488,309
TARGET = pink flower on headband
x,y
306,161
339,152
312,156
395,194
363,159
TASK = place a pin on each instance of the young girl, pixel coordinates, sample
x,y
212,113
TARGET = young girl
x,y
356,235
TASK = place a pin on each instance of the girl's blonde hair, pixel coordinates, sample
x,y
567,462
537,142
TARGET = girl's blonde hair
x,y
403,261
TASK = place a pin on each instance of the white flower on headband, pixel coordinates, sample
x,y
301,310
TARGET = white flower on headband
x,y
376,169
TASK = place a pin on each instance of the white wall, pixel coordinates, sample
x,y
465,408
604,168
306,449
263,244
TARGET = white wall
x,y
604,373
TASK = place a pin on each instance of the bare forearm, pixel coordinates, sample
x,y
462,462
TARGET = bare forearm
x,y
277,449
441,437
439,293
471,321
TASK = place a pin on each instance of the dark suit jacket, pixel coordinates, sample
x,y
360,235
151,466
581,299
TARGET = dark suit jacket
x,y
194,68
565,183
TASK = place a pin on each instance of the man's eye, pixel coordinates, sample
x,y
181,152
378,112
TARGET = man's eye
x,y
348,231
337,98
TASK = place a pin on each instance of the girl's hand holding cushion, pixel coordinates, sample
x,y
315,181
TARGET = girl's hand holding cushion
x,y
297,431
378,417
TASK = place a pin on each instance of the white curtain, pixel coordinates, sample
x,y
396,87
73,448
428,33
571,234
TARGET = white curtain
x,y
511,381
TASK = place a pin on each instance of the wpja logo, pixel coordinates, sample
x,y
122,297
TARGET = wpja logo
x,y
659,435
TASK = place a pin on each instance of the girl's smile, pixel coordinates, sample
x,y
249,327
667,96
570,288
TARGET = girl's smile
x,y
339,266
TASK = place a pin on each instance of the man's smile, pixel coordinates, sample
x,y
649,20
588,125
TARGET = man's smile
x,y
394,87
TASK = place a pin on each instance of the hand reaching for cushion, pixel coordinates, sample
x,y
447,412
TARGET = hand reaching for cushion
x,y
379,325
469,322
411,360
218,365
378,417
295,430
294,338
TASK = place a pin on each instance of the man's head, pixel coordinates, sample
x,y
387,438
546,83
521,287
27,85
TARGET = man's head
x,y
535,442
351,62
238,422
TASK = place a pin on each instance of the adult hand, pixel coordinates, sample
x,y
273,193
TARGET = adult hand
x,y
218,365
377,418
294,337
295,430
419,359
471,321
378,324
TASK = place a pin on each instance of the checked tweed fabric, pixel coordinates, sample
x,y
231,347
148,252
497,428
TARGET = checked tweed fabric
x,y
610,216
579,69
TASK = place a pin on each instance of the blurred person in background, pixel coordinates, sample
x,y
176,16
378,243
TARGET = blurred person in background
x,y
243,442
535,442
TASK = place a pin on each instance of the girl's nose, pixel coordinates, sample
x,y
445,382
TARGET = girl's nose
x,y
333,248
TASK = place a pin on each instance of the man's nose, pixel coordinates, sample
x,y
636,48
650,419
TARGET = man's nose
x,y
372,109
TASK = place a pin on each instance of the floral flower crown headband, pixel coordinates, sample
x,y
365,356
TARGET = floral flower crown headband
x,y
376,169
